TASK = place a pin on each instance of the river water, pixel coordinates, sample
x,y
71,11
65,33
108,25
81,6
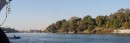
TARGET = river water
x,y
69,38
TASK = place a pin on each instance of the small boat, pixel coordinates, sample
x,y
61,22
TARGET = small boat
x,y
15,37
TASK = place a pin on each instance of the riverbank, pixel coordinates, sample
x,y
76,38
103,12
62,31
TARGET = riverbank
x,y
100,31
95,31
125,31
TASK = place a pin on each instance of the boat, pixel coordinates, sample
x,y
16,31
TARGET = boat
x,y
15,37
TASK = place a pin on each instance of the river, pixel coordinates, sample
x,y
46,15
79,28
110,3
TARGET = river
x,y
69,38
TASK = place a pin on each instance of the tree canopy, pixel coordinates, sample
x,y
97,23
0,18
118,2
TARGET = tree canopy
x,y
117,20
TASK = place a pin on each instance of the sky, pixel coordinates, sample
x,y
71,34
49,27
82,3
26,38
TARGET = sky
x,y
38,14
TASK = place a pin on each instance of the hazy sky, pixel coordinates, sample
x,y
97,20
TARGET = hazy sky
x,y
38,14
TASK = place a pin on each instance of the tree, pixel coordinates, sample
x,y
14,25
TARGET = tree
x,y
90,27
87,20
53,28
80,26
108,24
126,24
58,25
64,26
116,20
73,24
115,23
100,20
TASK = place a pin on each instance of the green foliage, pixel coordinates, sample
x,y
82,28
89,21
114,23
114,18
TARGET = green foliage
x,y
126,24
90,27
108,24
119,19
100,20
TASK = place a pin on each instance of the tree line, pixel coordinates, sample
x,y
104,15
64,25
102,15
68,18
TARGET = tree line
x,y
117,20
9,30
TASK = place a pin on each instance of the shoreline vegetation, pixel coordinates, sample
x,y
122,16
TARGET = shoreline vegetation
x,y
9,30
100,24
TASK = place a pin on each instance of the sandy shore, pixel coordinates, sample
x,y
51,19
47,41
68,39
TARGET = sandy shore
x,y
122,31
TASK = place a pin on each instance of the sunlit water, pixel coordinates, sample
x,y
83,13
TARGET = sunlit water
x,y
69,38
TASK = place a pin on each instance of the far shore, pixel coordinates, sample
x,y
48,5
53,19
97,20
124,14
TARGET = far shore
x,y
116,31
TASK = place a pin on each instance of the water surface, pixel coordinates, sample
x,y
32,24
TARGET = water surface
x,y
69,38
